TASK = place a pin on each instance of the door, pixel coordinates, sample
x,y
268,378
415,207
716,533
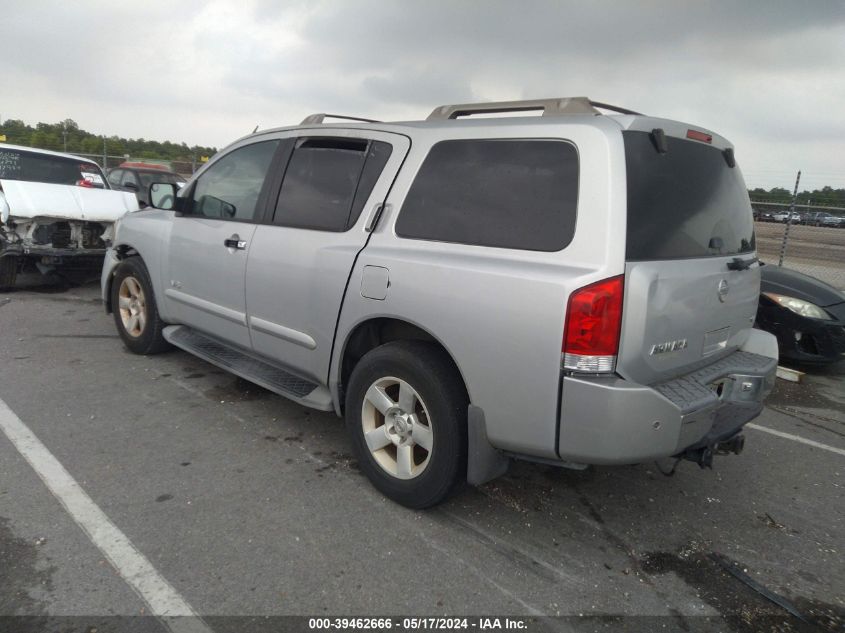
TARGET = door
x,y
210,241
299,264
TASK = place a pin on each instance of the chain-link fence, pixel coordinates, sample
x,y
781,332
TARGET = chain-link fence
x,y
185,168
810,239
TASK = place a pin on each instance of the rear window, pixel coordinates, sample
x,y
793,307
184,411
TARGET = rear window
x,y
18,164
685,203
519,194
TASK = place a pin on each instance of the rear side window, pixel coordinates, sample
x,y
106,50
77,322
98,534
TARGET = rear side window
x,y
520,194
684,203
377,157
328,181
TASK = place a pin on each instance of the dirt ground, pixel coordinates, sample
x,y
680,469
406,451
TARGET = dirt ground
x,y
814,250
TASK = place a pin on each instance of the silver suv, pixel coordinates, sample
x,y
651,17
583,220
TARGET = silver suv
x,y
572,288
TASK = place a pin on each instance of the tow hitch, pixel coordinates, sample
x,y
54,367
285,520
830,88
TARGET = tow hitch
x,y
703,455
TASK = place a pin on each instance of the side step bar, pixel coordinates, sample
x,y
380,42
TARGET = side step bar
x,y
262,373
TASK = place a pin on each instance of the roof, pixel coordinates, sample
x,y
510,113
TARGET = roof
x,y
144,166
555,111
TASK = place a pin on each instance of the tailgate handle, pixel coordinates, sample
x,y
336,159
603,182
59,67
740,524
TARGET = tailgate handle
x,y
737,263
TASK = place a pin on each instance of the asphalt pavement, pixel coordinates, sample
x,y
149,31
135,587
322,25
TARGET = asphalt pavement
x,y
245,504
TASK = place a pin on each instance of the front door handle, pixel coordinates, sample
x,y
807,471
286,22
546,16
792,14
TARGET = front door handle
x,y
235,242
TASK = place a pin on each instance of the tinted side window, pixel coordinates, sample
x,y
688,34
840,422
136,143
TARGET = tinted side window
x,y
129,177
377,158
507,193
114,176
231,186
320,184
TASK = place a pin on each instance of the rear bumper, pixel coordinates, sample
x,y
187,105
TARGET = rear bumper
x,y
609,420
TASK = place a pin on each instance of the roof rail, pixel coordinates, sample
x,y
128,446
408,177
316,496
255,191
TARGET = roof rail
x,y
550,107
319,117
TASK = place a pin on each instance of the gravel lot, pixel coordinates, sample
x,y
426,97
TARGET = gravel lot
x,y
814,250
249,505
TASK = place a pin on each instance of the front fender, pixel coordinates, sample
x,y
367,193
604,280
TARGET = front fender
x,y
146,234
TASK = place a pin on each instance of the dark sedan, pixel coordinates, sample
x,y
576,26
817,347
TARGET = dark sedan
x,y
805,314
137,177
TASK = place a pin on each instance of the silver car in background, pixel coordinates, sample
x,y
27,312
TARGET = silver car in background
x,y
573,288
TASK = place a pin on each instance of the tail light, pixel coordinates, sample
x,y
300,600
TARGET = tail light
x,y
85,183
593,324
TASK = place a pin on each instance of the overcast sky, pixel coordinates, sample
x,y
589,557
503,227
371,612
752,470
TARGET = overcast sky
x,y
770,76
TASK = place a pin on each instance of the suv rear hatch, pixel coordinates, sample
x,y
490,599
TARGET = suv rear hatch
x,y
691,289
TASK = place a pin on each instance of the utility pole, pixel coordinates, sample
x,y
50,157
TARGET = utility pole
x,y
105,156
789,220
64,135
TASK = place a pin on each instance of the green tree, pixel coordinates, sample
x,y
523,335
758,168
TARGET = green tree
x,y
54,135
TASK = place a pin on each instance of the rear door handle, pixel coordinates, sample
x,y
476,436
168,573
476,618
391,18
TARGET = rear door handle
x,y
375,216
235,242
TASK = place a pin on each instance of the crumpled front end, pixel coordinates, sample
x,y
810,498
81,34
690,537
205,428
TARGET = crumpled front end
x,y
52,225
55,237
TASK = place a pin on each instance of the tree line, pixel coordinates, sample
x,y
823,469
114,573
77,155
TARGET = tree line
x,y
68,136
824,197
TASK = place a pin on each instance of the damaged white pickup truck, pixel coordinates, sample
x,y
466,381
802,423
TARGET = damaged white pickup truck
x,y
57,211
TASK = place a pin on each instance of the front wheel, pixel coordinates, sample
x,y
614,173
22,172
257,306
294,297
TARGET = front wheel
x,y
406,409
134,307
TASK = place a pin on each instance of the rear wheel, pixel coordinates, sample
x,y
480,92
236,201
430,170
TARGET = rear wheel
x,y
406,410
8,272
134,307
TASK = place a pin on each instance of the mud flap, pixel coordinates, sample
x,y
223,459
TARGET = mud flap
x,y
484,463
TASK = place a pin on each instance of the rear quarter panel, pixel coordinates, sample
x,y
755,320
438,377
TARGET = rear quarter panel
x,y
500,312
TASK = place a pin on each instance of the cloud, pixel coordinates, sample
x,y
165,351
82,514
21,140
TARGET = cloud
x,y
768,75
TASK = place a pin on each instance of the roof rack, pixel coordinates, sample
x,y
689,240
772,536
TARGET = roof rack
x,y
550,107
321,116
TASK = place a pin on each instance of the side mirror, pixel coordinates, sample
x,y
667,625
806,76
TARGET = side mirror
x,y
131,185
163,195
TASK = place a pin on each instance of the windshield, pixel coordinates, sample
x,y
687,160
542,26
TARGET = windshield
x,y
16,164
684,203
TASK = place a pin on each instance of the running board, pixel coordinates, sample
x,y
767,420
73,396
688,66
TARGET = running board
x,y
277,380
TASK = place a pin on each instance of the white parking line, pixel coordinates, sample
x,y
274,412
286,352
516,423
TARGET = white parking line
x,y
163,600
796,438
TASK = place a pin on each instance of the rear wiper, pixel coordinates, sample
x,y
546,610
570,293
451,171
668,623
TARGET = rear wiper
x,y
738,263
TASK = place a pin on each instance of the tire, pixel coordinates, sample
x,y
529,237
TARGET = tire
x,y
8,272
418,458
134,308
